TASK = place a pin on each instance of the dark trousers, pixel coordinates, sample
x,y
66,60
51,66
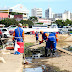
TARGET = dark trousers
x,y
46,51
50,44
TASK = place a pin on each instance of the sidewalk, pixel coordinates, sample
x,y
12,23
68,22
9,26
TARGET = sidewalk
x,y
13,63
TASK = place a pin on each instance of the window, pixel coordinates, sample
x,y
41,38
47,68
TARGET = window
x,y
4,30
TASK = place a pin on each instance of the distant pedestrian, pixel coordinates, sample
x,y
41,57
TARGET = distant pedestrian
x,y
37,36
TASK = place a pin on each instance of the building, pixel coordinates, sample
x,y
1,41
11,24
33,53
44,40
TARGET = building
x,y
48,13
62,16
71,16
3,15
19,12
36,12
44,21
66,15
57,16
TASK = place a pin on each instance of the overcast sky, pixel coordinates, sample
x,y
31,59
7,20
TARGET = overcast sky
x,y
58,6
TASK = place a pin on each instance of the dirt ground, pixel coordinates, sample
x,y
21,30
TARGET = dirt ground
x,y
64,62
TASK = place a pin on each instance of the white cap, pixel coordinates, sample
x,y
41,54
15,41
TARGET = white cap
x,y
20,24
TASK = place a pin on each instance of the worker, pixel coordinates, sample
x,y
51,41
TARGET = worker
x,y
18,34
52,41
37,36
44,37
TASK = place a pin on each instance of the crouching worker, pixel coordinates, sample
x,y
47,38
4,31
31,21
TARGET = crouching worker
x,y
37,36
52,41
44,38
18,36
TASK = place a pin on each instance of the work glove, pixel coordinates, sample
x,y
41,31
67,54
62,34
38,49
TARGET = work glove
x,y
40,42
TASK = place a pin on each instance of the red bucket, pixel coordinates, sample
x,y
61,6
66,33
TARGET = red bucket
x,y
21,49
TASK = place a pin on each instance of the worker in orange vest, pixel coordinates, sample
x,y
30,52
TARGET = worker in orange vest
x,y
44,38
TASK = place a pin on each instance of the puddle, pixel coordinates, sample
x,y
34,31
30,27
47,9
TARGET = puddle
x,y
44,68
69,48
29,59
37,69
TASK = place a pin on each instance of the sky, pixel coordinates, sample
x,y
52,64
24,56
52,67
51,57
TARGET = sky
x,y
57,6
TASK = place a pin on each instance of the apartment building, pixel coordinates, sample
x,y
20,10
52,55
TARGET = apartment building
x,y
66,15
57,16
62,16
71,16
36,12
48,13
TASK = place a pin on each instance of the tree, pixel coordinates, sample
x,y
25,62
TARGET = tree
x,y
33,18
68,22
59,23
8,22
63,23
24,22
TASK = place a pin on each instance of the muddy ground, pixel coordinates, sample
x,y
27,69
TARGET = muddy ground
x,y
61,63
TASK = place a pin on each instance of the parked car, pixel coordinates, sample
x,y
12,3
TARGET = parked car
x,y
11,32
0,33
5,32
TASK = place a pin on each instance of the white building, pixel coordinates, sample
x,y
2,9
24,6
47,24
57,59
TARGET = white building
x,y
48,13
66,15
19,9
62,16
57,16
71,16
36,12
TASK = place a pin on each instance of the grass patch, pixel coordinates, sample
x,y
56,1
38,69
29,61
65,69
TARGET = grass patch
x,y
70,49
27,51
0,45
70,31
28,44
